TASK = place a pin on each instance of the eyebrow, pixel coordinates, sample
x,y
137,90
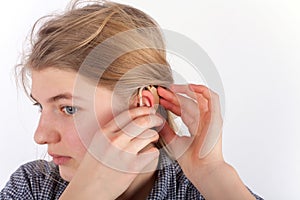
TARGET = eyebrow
x,y
58,97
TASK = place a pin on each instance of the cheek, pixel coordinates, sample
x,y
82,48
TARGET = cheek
x,y
84,126
83,130
104,114
74,142
104,117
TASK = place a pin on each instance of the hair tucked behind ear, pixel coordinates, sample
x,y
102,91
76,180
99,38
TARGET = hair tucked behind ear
x,y
65,41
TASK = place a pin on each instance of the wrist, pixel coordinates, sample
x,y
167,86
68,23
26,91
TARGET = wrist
x,y
204,172
220,181
78,192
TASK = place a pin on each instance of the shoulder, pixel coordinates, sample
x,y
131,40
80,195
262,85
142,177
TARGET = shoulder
x,y
37,168
33,180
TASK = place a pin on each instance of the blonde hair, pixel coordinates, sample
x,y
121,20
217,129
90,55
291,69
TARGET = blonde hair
x,y
65,42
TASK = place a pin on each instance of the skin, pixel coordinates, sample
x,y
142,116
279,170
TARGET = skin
x,y
96,149
210,174
56,127
73,137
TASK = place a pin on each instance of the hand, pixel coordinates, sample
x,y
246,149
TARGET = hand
x,y
200,156
116,155
201,114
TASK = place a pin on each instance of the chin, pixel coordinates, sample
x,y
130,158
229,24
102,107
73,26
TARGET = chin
x,y
66,173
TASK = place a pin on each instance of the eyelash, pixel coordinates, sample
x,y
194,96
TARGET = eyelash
x,y
64,109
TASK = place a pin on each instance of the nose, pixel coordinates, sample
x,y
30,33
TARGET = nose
x,y
46,132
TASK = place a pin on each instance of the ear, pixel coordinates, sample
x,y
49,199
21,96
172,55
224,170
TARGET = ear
x,y
147,96
147,99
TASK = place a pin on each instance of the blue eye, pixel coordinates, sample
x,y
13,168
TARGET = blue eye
x,y
69,110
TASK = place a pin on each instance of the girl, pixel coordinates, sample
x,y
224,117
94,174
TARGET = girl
x,y
105,91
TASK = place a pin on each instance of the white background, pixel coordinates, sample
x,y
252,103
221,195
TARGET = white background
x,y
255,45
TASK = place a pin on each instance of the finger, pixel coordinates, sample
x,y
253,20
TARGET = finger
x,y
167,133
188,106
186,102
198,92
205,91
190,89
173,101
168,96
142,143
202,102
137,162
183,89
175,144
189,111
144,161
170,106
211,96
136,128
126,117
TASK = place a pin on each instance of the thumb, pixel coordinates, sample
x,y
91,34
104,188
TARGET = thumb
x,y
167,133
176,145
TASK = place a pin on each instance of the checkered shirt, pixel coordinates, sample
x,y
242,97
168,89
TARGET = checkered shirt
x,y
41,180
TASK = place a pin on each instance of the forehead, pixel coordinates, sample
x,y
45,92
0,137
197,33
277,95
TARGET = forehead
x,y
52,79
51,82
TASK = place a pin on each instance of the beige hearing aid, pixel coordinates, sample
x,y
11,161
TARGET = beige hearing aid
x,y
153,90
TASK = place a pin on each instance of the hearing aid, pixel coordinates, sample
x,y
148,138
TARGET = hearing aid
x,y
153,91
159,109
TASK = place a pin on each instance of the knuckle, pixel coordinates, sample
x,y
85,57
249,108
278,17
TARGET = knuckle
x,y
105,130
151,134
133,113
143,121
156,136
114,141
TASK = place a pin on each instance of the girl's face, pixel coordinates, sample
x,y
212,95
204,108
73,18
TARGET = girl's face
x,y
68,119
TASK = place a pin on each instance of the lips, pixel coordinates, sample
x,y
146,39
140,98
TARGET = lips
x,y
60,160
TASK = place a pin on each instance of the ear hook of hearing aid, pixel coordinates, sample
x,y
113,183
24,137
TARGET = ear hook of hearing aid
x,y
141,96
